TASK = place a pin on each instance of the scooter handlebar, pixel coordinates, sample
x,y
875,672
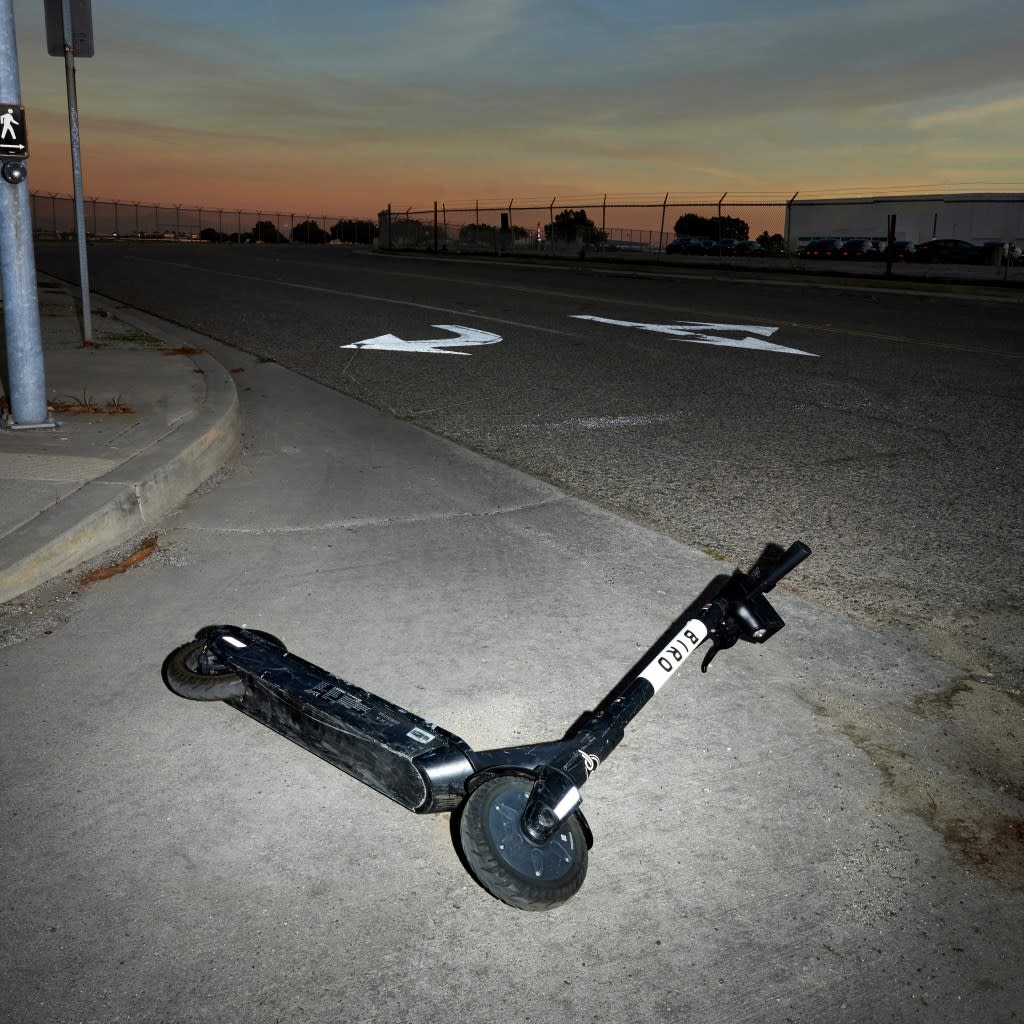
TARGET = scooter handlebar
x,y
793,556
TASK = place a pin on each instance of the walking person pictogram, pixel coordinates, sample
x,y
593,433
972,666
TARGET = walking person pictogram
x,y
8,124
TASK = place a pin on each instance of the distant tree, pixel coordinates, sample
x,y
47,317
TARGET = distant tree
x,y
713,227
775,244
310,232
733,227
265,231
693,224
477,233
212,235
574,226
360,232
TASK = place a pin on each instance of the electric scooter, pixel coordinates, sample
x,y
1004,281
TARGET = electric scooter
x,y
522,830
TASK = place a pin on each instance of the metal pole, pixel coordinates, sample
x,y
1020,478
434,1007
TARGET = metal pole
x,y
25,382
661,233
789,222
76,172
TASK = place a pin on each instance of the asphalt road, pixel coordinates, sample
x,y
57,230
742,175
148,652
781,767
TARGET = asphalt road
x,y
890,441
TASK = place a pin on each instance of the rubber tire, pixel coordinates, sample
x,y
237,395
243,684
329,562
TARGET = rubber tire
x,y
181,672
487,809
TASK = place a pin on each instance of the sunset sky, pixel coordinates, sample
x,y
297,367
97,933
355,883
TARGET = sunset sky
x,y
346,106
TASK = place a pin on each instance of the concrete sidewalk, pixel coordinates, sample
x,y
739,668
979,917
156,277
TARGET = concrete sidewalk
x,y
792,837
138,426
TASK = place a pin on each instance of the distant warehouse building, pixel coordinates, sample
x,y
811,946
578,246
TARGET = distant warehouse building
x,y
974,217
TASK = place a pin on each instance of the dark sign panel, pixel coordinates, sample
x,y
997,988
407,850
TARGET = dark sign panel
x,y
13,133
81,28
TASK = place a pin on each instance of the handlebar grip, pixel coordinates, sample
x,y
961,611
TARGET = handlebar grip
x,y
796,553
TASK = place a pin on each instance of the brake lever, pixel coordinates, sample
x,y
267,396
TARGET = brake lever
x,y
722,639
744,611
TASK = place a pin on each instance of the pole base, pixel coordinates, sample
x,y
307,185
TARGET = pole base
x,y
7,423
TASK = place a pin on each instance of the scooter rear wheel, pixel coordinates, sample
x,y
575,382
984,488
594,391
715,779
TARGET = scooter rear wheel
x,y
194,672
506,862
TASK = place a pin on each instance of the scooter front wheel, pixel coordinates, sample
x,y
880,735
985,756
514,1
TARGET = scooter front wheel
x,y
506,861
194,672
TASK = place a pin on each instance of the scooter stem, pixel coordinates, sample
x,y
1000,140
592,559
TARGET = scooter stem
x,y
555,794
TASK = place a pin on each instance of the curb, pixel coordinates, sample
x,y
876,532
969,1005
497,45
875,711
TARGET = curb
x,y
130,498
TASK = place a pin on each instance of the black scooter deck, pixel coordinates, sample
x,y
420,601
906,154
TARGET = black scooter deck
x,y
366,736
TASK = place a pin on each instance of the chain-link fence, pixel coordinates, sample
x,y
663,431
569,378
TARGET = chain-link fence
x,y
668,227
584,224
758,227
53,216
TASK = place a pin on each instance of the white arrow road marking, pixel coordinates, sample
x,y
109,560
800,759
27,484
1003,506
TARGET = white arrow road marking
x,y
699,332
465,336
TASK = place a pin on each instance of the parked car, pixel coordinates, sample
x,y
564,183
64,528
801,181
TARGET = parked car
x,y
858,249
900,253
723,246
688,245
948,250
822,248
748,249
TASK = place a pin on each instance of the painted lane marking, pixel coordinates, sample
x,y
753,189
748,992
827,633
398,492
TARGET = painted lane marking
x,y
362,296
610,422
777,281
464,337
702,333
623,422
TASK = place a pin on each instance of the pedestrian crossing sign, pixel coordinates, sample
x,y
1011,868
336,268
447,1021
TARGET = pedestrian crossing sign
x,y
13,135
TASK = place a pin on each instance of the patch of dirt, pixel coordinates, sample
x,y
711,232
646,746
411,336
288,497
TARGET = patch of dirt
x,y
43,610
987,723
955,759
